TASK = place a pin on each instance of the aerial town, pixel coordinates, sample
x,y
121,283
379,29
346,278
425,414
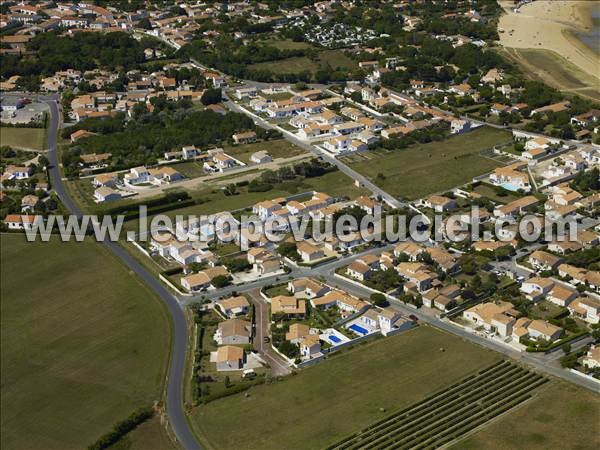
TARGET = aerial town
x,y
132,131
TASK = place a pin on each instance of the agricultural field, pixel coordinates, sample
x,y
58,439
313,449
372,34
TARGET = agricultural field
x,y
75,359
324,404
424,169
561,415
449,414
551,68
28,138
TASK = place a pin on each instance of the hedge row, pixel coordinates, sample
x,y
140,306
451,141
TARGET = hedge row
x,y
122,428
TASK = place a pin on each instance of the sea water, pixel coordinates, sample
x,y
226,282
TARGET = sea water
x,y
592,38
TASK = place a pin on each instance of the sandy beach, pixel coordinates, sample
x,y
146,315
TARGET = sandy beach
x,y
549,25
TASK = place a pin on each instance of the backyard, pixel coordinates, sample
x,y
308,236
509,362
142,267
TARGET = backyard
x,y
322,404
424,169
84,343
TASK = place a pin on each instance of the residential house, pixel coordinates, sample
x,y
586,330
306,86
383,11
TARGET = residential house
x,y
233,306
343,301
233,331
544,261
439,203
297,332
261,157
307,288
228,357
246,137
106,194
288,306
203,279
309,252
586,308
489,316
561,295
591,360
535,288
310,346
23,222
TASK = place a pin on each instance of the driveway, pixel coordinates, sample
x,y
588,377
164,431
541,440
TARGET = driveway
x,y
279,366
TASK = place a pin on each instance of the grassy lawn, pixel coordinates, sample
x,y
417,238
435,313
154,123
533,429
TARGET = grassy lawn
x,y
561,416
280,289
190,169
428,168
84,344
489,192
34,138
322,404
279,148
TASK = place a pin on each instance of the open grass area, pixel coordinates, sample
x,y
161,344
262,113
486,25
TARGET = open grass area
x,y
424,169
84,343
323,404
29,138
551,68
489,192
287,44
279,148
150,435
560,416
327,58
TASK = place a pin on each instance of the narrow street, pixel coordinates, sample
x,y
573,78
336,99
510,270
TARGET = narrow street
x,y
279,367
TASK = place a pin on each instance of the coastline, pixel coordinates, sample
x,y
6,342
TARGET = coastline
x,y
552,25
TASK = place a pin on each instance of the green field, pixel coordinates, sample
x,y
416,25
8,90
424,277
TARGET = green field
x,y
84,344
279,148
560,416
322,404
424,169
29,138
150,435
327,58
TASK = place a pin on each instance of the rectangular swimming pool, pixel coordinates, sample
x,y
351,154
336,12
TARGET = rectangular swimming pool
x,y
334,339
358,329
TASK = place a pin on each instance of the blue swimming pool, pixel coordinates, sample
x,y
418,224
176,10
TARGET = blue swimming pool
x,y
510,187
358,329
334,339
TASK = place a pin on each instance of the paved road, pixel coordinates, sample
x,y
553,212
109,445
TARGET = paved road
x,y
354,175
176,375
279,366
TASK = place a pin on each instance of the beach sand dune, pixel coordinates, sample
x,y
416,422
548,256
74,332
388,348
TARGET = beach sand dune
x,y
549,25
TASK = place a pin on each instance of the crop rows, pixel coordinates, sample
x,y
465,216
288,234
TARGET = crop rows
x,y
450,413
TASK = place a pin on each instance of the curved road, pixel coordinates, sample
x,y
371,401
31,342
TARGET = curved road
x,y
176,375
